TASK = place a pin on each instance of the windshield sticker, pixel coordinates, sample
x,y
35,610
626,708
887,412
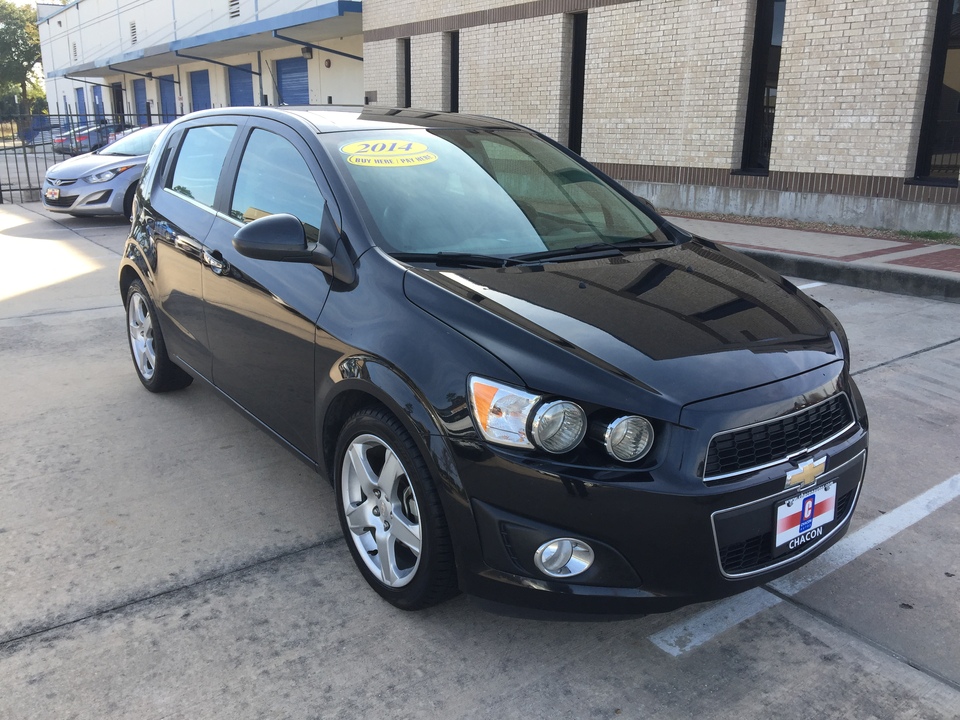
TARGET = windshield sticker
x,y
387,153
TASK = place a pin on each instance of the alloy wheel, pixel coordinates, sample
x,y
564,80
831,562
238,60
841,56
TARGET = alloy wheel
x,y
381,510
140,324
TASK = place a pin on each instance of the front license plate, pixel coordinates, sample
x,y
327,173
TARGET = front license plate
x,y
803,519
52,193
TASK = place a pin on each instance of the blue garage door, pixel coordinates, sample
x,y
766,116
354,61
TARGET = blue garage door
x,y
200,90
168,98
292,84
241,85
140,98
82,106
98,110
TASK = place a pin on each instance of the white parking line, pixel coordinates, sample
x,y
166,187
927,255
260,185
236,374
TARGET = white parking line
x,y
810,285
707,624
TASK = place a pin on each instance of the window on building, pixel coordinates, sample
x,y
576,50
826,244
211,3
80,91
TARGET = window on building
x,y
938,159
404,59
762,94
578,67
454,70
199,161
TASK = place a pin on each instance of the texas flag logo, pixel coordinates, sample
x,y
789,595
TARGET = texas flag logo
x,y
802,518
807,511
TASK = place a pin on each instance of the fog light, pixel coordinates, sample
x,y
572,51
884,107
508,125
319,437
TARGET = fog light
x,y
629,438
563,557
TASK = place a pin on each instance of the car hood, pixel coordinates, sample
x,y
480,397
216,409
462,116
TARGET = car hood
x,y
82,165
647,332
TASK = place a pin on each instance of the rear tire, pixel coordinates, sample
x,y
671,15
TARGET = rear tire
x,y
390,512
154,368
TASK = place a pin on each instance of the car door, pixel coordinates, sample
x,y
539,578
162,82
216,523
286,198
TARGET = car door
x,y
177,219
261,315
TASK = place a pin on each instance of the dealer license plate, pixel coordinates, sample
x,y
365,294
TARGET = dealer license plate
x,y
802,520
52,193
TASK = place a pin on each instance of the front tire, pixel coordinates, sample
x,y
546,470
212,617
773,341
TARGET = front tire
x,y
390,512
128,201
154,368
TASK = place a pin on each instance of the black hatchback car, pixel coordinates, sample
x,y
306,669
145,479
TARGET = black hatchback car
x,y
522,381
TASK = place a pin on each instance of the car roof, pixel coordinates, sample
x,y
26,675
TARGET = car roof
x,y
332,118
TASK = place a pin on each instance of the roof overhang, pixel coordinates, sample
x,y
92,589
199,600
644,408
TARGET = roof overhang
x,y
313,25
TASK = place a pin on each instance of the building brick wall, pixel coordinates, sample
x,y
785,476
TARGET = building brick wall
x,y
383,71
666,82
853,81
430,74
519,71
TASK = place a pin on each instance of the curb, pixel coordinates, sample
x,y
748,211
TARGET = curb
x,y
885,278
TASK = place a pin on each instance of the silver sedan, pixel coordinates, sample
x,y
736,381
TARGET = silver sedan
x,y
102,182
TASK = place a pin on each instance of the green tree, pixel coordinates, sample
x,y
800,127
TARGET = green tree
x,y
20,43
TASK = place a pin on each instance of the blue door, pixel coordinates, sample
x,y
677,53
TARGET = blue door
x,y
98,111
200,90
168,98
241,85
81,106
140,99
292,85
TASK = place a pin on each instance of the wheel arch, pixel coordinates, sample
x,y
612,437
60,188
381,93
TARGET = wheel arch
x,y
367,382
127,276
134,266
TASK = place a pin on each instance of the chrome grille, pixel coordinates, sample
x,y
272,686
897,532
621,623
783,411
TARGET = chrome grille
x,y
770,442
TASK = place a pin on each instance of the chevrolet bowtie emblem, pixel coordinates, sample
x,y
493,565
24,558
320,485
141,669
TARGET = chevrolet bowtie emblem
x,y
806,473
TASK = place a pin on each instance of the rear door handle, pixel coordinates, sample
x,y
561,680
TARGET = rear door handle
x,y
216,262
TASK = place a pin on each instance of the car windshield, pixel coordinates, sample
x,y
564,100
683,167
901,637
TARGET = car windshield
x,y
504,193
136,143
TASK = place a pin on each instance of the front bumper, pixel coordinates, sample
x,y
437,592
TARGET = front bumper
x,y
662,538
83,198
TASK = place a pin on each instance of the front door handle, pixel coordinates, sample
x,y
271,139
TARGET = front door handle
x,y
216,262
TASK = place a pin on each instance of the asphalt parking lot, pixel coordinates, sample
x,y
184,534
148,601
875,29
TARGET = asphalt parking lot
x,y
162,558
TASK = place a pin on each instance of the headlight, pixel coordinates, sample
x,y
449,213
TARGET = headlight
x,y
106,174
629,438
501,411
559,426
510,416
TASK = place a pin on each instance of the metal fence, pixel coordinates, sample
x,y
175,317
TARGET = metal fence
x,y
29,144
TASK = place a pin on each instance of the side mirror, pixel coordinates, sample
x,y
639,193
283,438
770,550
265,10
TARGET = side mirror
x,y
281,238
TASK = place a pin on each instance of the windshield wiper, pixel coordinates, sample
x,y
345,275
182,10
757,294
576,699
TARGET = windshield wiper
x,y
454,259
599,250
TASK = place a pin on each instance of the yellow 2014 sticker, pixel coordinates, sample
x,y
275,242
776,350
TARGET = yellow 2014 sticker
x,y
387,153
